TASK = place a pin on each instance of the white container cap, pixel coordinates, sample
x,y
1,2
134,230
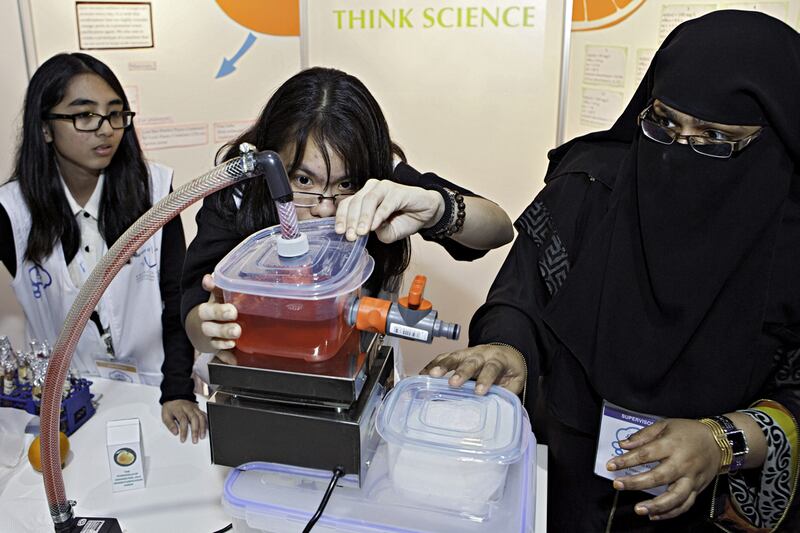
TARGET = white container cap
x,y
426,414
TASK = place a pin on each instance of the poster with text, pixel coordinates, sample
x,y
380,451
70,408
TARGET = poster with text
x,y
470,91
612,44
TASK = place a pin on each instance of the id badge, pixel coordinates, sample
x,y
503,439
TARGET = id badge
x,y
618,424
118,370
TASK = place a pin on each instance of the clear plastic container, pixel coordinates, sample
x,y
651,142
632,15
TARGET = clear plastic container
x,y
292,307
268,497
448,446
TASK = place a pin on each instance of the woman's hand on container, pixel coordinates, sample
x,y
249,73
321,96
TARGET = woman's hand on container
x,y
689,460
393,211
217,319
180,415
488,364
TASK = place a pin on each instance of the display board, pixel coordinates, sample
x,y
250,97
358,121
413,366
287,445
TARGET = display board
x,y
611,49
15,80
12,89
469,87
470,91
197,72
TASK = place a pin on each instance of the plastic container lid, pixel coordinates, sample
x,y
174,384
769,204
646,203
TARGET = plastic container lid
x,y
426,413
332,266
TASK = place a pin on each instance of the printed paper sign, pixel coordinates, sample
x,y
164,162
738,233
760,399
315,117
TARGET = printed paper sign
x,y
114,26
227,131
117,371
173,136
600,107
674,14
125,454
618,424
605,65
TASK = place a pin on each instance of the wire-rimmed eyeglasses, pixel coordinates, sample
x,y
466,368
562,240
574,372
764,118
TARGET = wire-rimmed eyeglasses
x,y
312,199
86,121
719,148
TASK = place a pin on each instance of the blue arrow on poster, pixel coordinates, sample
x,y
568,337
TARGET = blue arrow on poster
x,y
229,65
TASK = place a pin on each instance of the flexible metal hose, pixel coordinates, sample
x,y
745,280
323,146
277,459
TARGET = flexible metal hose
x,y
233,171
288,217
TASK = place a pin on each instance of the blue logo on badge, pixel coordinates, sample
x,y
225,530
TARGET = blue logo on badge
x,y
118,375
40,279
622,434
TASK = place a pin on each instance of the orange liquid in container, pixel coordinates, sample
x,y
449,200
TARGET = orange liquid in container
x,y
347,361
311,340
312,330
292,306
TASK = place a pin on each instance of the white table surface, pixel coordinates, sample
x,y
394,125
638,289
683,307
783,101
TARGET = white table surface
x,y
183,489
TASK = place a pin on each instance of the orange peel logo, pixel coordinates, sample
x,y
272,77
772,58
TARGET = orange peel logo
x,y
272,17
598,14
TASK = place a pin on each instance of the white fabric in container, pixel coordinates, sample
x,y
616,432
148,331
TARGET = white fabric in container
x,y
454,481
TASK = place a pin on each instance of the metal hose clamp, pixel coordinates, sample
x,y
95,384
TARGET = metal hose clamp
x,y
248,158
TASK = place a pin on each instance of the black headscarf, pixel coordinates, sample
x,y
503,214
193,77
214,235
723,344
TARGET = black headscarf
x,y
667,305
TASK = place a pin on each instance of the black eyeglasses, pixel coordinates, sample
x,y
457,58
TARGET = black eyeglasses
x,y
719,148
312,199
118,120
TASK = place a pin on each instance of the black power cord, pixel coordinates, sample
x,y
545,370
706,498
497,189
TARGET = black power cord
x,y
337,473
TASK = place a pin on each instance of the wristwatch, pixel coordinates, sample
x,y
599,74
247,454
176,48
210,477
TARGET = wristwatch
x,y
737,440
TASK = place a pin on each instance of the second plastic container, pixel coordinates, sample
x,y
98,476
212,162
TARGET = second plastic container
x,y
448,446
292,307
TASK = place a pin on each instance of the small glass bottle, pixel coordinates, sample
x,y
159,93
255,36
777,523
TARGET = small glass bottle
x,y
41,350
9,376
66,388
36,385
5,343
23,370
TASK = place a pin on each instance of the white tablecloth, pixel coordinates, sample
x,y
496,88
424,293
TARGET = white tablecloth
x,y
183,489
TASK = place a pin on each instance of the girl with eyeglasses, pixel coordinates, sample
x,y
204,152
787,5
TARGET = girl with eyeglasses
x,y
334,141
657,271
79,182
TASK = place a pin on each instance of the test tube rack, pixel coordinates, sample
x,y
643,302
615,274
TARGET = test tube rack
x,y
76,408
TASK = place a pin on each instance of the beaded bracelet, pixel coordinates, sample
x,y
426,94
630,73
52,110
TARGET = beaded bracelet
x,y
452,220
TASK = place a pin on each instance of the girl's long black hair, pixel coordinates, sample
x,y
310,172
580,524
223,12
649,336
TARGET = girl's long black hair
x,y
126,192
338,112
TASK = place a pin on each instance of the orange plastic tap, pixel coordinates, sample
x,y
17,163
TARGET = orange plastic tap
x,y
372,313
414,300
411,317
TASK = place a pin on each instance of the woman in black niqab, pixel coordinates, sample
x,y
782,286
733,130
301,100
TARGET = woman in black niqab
x,y
666,306
666,282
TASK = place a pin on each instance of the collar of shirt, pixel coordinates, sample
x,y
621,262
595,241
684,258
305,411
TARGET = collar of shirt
x,y
92,206
92,245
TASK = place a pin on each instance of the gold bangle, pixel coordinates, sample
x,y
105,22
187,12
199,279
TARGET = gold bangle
x,y
524,366
722,441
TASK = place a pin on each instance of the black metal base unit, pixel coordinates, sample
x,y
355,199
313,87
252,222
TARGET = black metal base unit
x,y
336,382
245,428
80,524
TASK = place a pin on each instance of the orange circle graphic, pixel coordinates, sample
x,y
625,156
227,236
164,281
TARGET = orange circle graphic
x,y
273,17
597,14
